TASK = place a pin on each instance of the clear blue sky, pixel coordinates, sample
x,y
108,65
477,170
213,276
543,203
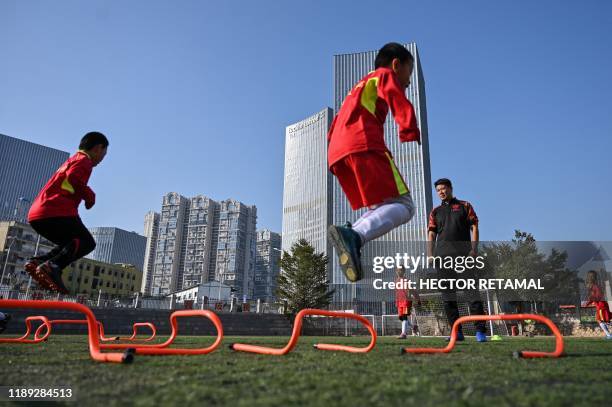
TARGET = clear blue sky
x,y
195,97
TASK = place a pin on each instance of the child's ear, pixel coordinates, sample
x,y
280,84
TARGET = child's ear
x,y
395,64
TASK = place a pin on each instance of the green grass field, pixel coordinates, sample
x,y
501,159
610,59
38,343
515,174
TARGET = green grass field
x,y
473,374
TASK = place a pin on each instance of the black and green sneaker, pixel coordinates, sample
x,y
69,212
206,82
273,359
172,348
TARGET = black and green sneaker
x,y
348,246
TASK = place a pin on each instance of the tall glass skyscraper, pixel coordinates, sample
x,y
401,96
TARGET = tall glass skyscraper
x,y
412,161
307,185
25,167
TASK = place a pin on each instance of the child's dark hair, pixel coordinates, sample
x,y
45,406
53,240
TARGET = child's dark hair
x,y
389,52
92,139
591,279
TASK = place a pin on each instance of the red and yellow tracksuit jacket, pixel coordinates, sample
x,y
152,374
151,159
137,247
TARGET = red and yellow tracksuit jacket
x,y
359,125
63,193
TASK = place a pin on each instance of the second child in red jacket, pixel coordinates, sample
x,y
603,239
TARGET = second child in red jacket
x,y
362,163
596,297
404,304
54,213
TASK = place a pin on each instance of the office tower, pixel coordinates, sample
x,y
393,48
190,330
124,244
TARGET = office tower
x,y
114,245
25,167
307,182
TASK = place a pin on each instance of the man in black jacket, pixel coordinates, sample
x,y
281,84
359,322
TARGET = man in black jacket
x,y
453,232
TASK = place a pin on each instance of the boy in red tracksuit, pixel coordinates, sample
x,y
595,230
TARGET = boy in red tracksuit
x,y
54,213
602,311
362,163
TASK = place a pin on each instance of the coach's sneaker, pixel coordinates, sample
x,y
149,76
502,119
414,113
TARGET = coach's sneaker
x,y
609,336
402,336
347,243
51,274
4,321
481,337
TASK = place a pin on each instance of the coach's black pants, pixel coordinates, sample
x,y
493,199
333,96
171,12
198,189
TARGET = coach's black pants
x,y
71,237
450,299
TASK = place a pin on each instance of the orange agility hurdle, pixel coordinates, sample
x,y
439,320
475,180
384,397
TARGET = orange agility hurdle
x,y
101,328
92,326
134,333
162,348
46,324
297,329
510,317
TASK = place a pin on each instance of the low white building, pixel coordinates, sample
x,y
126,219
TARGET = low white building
x,y
210,292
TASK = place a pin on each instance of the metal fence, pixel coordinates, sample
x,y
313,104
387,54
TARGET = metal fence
x,y
429,316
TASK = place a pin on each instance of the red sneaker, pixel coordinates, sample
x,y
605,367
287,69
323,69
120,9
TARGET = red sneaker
x,y
31,267
52,275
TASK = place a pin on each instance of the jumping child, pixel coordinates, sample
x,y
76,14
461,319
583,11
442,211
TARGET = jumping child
x,y
54,214
362,163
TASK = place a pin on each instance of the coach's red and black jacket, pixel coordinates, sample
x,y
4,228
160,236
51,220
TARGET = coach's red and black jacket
x,y
63,193
452,222
359,125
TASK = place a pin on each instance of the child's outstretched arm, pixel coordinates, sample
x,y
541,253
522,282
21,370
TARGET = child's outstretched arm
x,y
401,108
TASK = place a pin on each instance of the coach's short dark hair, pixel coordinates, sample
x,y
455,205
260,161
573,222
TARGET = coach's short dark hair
x,y
92,139
443,181
389,52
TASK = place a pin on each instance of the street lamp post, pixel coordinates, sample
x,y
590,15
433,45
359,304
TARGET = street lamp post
x,y
35,254
8,255
20,199
221,272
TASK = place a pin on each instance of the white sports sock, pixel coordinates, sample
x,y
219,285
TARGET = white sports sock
x,y
605,328
384,218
